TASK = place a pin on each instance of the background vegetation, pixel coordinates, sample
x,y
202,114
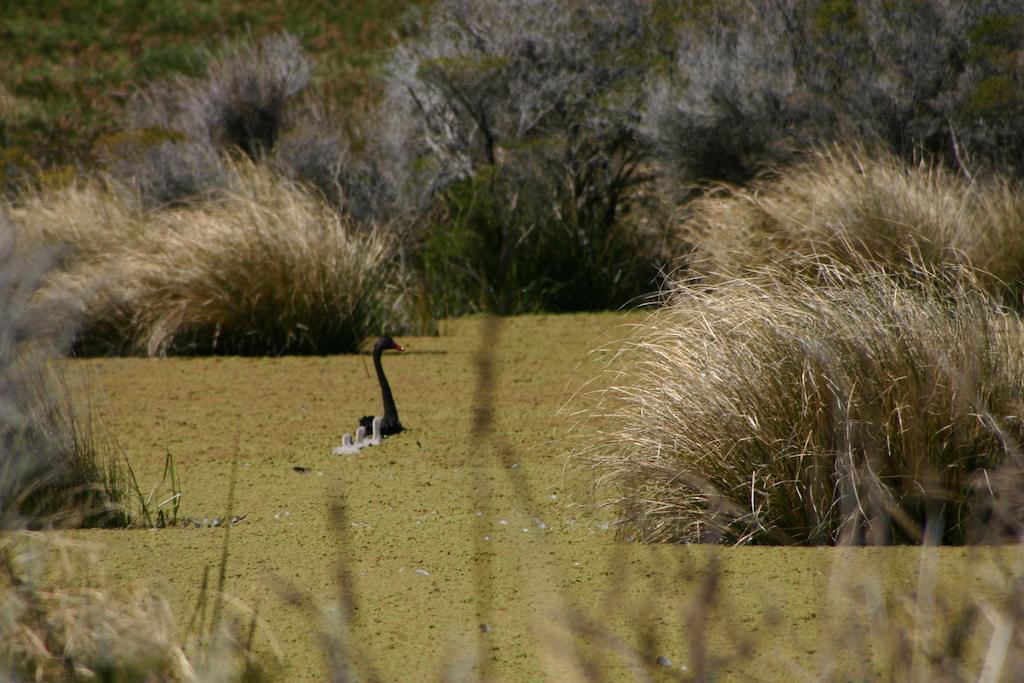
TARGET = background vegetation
x,y
73,66
526,156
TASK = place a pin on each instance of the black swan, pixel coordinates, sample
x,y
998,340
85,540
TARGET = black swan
x,y
389,424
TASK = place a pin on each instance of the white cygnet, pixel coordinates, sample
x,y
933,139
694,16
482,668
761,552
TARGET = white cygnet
x,y
346,447
374,439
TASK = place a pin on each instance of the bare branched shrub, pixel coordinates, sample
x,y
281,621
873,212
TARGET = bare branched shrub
x,y
240,102
163,168
753,82
496,100
176,130
486,77
246,94
317,158
851,410
731,101
318,154
857,207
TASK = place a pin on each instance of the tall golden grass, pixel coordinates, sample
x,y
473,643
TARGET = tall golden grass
x,y
265,268
851,410
857,207
60,621
54,470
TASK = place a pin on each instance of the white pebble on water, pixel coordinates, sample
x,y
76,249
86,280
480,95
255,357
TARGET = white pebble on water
x,y
423,572
503,522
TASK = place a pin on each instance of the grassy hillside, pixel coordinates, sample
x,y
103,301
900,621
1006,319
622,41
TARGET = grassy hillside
x,y
70,66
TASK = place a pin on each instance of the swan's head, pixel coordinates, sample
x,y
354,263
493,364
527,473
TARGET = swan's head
x,y
386,343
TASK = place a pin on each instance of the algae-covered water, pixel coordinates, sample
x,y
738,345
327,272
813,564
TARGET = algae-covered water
x,y
460,546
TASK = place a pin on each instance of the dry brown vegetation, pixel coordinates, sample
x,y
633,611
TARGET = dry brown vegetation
x,y
61,621
851,410
860,207
266,267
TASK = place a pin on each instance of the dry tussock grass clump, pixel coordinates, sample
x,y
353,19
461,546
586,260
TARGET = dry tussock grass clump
x,y
267,268
83,221
54,470
856,208
65,626
60,622
771,410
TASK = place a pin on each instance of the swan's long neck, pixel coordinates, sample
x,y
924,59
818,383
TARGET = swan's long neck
x,y
390,411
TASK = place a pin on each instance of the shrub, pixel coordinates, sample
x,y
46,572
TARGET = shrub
x,y
241,102
856,207
318,154
163,167
514,126
752,84
266,269
731,101
317,158
536,252
246,94
855,411
177,129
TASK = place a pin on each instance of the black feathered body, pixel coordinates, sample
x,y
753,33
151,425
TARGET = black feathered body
x,y
390,424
